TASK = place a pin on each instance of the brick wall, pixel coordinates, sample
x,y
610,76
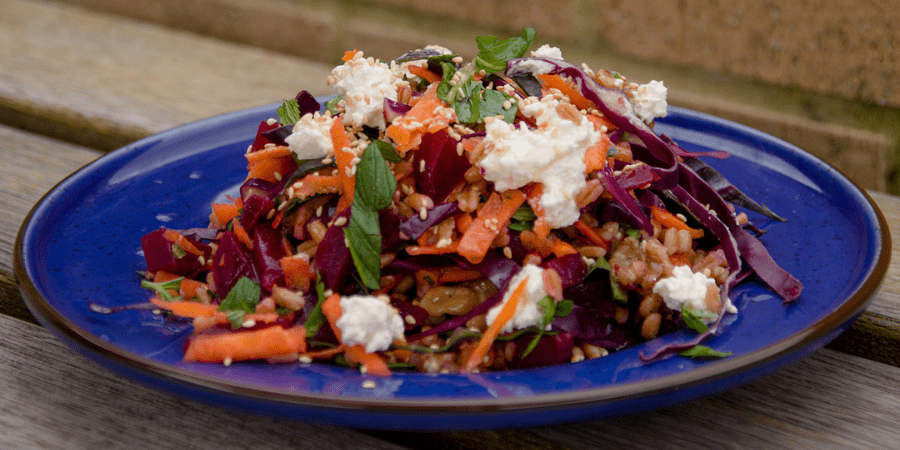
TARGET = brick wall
x,y
820,74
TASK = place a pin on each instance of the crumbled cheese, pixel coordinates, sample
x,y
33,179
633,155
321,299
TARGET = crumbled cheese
x,y
552,154
547,51
311,137
364,84
685,287
528,312
650,101
370,322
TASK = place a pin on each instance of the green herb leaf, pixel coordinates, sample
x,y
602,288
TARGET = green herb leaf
x,y
375,183
564,307
473,103
551,310
364,236
332,104
236,319
492,55
162,289
617,293
693,318
702,351
289,112
177,251
388,152
244,296
316,318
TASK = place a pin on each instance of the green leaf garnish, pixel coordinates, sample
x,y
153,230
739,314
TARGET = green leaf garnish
x,y
492,55
388,152
617,293
162,288
236,319
551,311
244,296
375,183
289,112
332,104
177,251
316,318
693,318
702,351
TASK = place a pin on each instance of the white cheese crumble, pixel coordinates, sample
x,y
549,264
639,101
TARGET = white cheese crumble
x,y
311,137
552,154
364,84
546,51
528,312
370,322
650,101
685,287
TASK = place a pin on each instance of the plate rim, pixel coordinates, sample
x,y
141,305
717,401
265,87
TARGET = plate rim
x,y
84,341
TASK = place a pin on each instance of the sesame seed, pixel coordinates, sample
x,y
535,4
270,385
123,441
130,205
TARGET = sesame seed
x,y
340,221
270,215
249,323
507,252
423,213
226,362
271,121
363,369
249,148
410,319
369,384
422,165
304,359
201,260
282,205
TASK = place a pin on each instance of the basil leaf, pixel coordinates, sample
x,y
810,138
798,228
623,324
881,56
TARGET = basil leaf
x,y
244,296
702,351
492,55
289,112
316,318
375,183
388,152
364,239
693,318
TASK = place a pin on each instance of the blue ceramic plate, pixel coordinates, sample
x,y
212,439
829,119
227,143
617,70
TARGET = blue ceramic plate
x,y
81,244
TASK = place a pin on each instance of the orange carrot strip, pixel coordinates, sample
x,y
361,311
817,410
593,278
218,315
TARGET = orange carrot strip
x,y
591,234
679,259
595,155
456,274
296,272
487,224
371,361
555,81
463,221
162,276
452,247
349,54
344,159
327,353
331,308
407,132
560,248
669,220
190,287
490,335
270,169
313,184
224,212
422,72
533,195
186,245
185,308
268,152
242,345
241,233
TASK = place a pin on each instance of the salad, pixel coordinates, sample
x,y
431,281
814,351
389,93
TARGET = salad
x,y
445,215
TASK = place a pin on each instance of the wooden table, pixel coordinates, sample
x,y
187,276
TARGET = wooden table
x,y
102,81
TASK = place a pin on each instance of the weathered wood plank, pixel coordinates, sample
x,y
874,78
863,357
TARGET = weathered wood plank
x,y
103,81
55,398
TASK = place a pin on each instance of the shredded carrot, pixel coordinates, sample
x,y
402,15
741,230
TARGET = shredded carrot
x,y
669,220
533,195
241,234
314,184
327,353
555,81
463,221
591,234
408,130
296,272
371,361
185,308
490,219
490,335
430,249
456,274
190,287
331,308
423,72
562,248
183,242
595,155
271,169
679,259
344,159
349,54
267,342
269,152
161,276
471,143
224,212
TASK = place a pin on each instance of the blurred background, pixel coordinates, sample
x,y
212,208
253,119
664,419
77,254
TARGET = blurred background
x,y
820,74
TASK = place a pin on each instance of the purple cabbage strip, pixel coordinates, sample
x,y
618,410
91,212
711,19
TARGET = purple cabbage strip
x,y
631,207
727,190
414,226
751,249
394,109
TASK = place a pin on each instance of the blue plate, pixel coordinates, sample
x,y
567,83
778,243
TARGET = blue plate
x,y
81,244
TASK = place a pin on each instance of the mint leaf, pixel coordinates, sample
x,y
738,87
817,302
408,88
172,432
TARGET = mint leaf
x,y
551,309
332,104
475,103
492,55
388,152
289,112
236,319
564,308
617,293
693,318
702,351
375,183
177,251
244,296
364,239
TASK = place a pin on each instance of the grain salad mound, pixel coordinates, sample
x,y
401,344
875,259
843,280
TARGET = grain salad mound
x,y
444,215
